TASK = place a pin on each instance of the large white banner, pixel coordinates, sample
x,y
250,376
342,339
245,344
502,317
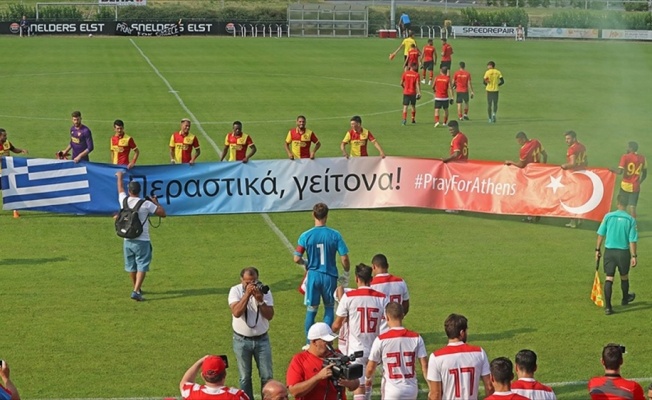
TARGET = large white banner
x,y
623,34
563,33
485,31
123,2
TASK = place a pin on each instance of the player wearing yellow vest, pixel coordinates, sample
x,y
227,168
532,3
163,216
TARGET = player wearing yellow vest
x,y
492,80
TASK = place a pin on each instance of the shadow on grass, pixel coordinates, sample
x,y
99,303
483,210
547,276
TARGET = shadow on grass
x,y
633,307
440,337
30,261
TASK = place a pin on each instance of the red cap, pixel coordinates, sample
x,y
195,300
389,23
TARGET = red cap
x,y
213,365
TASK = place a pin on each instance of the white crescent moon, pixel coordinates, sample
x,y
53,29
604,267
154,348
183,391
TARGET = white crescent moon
x,y
596,195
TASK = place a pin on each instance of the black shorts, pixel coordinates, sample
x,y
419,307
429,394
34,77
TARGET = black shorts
x,y
441,104
446,64
492,97
407,26
616,258
631,197
409,99
428,65
462,97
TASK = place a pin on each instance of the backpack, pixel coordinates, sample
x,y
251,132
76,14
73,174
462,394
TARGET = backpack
x,y
127,223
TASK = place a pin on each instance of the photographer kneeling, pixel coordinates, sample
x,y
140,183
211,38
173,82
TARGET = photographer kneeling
x,y
307,376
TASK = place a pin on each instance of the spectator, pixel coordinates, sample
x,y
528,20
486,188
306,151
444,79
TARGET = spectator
x,y
363,309
526,385
252,307
138,251
520,33
213,371
6,148
121,146
404,24
445,365
275,390
81,139
392,286
24,27
322,243
307,378
299,140
397,349
182,143
612,385
8,390
502,373
236,144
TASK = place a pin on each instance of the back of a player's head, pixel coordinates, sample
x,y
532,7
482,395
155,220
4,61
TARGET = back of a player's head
x,y
414,66
443,70
491,64
413,46
633,146
526,360
462,64
454,325
429,41
444,40
502,370
118,122
521,135
134,188
363,273
356,118
76,114
571,134
320,211
380,261
612,356
453,124
394,311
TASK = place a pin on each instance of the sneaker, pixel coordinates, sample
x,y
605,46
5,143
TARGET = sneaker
x,y
528,220
608,311
452,211
423,81
136,296
571,224
403,122
16,215
491,121
437,124
305,347
429,82
493,118
629,299
466,118
414,121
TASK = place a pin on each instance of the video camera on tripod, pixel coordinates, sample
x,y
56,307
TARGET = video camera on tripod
x,y
342,365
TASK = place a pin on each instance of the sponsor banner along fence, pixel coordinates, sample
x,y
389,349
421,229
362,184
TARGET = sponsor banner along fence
x,y
294,185
563,33
623,34
485,31
123,28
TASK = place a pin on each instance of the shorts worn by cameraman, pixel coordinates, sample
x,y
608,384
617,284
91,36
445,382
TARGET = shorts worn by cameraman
x,y
462,97
616,258
441,104
320,286
138,255
631,197
409,99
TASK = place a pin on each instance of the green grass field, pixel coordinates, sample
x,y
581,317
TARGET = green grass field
x,y
69,329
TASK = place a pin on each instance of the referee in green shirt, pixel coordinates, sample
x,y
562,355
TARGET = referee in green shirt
x,y
621,234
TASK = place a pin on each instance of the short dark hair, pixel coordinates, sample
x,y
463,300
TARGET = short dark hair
x,y
462,64
394,310
118,122
357,119
380,261
302,117
521,135
76,114
502,370
443,70
453,124
612,356
2,130
249,271
237,123
215,378
454,324
571,134
429,41
363,272
493,64
633,146
320,211
443,39
526,361
134,187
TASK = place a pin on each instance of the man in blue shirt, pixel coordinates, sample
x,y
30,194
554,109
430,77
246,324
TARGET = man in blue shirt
x,y
322,244
405,24
621,234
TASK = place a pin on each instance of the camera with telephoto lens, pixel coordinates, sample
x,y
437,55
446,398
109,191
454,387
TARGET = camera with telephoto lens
x,y
262,288
342,367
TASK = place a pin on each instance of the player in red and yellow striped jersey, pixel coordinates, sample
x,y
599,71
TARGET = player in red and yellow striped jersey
x,y
121,146
182,143
411,91
428,61
299,140
575,159
236,144
6,148
359,137
634,168
531,151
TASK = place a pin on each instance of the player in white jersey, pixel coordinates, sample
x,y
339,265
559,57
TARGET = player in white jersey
x,y
343,335
526,385
363,308
454,371
394,287
398,349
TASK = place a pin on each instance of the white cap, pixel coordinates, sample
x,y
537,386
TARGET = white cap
x,y
321,330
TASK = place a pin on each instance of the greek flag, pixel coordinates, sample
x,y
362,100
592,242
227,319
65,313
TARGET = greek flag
x,y
35,183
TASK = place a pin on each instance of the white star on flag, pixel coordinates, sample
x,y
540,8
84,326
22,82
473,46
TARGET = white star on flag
x,y
555,183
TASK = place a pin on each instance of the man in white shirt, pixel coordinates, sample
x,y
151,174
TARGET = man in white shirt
x,y
394,287
454,371
398,349
252,307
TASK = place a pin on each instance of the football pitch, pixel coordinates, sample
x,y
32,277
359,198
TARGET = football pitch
x,y
69,329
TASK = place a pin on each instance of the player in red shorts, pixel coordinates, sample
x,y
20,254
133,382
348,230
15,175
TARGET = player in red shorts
x,y
502,373
428,61
411,92
443,94
634,168
612,386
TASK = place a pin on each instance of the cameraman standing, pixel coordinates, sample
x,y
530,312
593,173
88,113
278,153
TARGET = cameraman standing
x,y
9,390
307,377
252,307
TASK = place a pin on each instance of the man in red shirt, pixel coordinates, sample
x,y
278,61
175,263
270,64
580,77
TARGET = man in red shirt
x,y
575,159
299,140
411,92
446,54
213,371
462,85
612,386
412,57
306,377
182,143
634,168
443,94
428,60
459,145
502,373
236,144
121,146
531,151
